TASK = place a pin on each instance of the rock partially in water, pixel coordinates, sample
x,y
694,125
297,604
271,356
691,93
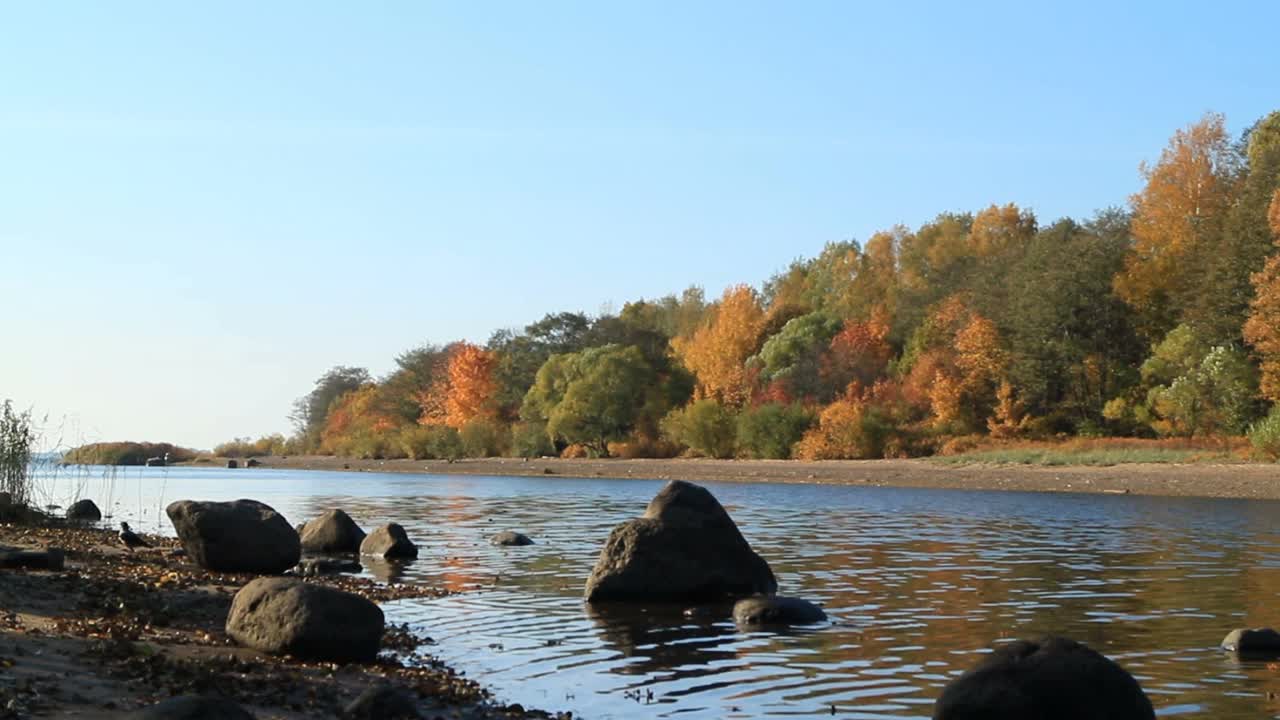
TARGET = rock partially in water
x,y
237,536
684,548
389,541
1257,642
332,532
84,510
284,616
192,707
1050,679
311,567
775,610
510,538
383,702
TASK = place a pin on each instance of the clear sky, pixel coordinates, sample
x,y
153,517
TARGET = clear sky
x,y
203,206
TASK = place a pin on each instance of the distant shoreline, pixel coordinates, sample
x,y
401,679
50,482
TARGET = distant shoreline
x,y
1236,480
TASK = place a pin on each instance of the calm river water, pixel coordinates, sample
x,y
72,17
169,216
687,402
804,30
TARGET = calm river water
x,y
917,583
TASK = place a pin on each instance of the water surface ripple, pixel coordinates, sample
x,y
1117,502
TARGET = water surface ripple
x,y
917,583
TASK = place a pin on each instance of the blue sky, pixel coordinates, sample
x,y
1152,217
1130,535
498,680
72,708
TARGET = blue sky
x,y
203,206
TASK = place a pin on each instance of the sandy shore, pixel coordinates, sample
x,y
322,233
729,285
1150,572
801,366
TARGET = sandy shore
x,y
115,631
1237,480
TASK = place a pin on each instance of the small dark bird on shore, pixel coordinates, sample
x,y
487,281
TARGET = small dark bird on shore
x,y
130,538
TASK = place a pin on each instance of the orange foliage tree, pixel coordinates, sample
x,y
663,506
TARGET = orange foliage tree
x,y
472,387
467,391
717,351
1186,194
956,362
354,423
859,352
1262,328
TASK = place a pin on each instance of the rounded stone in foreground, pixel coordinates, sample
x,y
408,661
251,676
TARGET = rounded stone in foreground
x,y
510,538
193,707
1253,641
1049,679
389,541
776,610
284,616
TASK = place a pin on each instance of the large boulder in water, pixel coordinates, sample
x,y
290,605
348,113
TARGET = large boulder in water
x,y
389,541
85,510
237,536
332,532
284,616
1049,679
684,547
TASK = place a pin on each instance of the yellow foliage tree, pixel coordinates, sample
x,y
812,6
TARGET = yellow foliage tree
x,y
718,349
1187,191
998,228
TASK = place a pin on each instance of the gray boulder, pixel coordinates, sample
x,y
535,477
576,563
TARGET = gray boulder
x,y
389,541
237,536
1253,641
84,509
685,547
192,707
284,616
510,538
332,532
1049,679
776,610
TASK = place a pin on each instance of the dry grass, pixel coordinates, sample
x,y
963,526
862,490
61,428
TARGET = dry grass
x,y
1100,451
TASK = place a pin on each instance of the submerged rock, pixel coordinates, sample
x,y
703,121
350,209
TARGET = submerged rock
x,y
684,547
192,707
237,536
776,610
1253,641
284,616
510,538
389,541
311,567
1049,679
332,532
85,510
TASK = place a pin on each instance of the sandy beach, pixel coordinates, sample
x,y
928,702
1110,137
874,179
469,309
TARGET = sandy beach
x,y
1234,480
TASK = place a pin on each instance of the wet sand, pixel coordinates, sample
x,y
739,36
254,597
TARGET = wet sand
x,y
115,631
1225,480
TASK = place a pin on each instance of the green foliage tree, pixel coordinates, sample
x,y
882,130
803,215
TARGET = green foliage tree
x,y
793,355
705,426
1071,338
1196,390
603,400
769,431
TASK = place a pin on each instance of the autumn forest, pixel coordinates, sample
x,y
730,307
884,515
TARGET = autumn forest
x,y
1157,319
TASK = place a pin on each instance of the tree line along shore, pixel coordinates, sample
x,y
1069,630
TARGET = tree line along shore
x,y
1158,321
